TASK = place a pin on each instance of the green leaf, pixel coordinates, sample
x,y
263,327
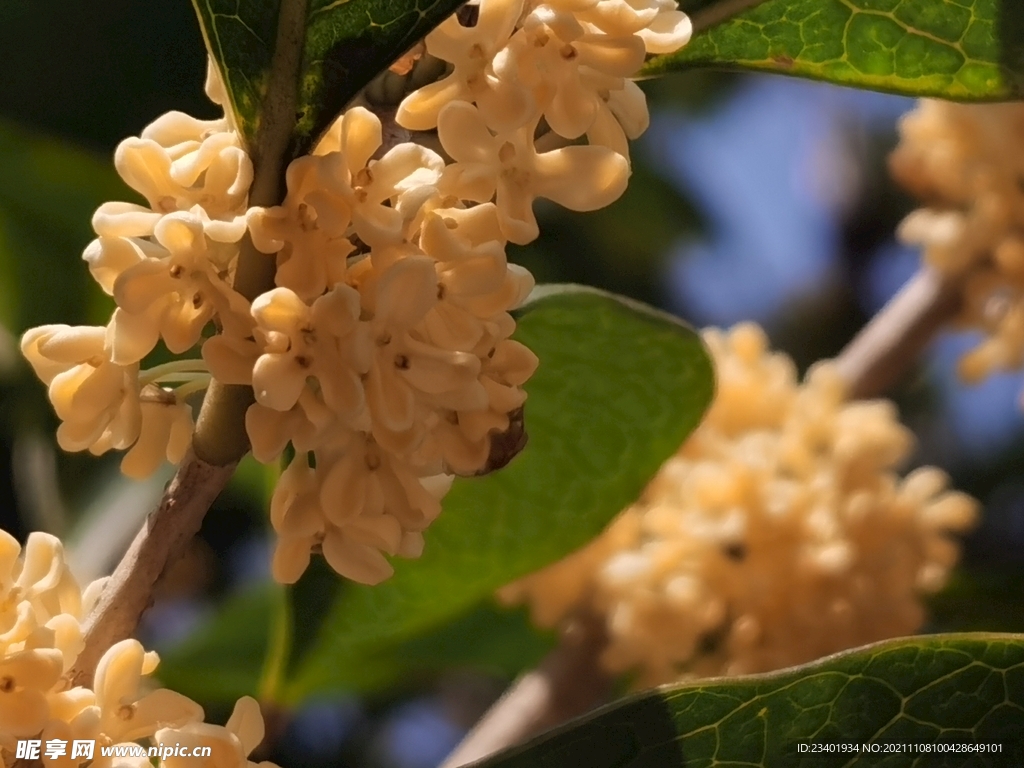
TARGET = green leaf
x,y
619,388
581,466
487,639
339,45
954,49
913,692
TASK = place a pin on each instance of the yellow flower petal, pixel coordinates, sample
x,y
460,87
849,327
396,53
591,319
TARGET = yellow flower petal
x,y
358,562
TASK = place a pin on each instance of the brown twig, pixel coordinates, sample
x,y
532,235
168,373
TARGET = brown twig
x,y
220,438
885,349
162,539
570,681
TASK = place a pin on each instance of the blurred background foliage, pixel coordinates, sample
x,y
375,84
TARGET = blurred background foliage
x,y
752,198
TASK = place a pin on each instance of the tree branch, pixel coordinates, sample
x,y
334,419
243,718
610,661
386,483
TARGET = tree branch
x,y
568,682
885,349
220,436
571,681
162,539
220,439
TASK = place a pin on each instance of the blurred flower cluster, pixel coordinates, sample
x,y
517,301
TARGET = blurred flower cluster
x,y
41,635
965,162
780,532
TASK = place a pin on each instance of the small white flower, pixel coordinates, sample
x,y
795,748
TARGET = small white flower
x,y
170,289
504,102
96,399
509,169
408,373
127,711
230,745
359,504
475,281
176,164
307,232
25,679
324,341
567,66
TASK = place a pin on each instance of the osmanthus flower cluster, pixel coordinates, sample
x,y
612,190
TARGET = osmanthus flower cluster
x,y
41,635
966,163
168,265
779,533
383,353
525,67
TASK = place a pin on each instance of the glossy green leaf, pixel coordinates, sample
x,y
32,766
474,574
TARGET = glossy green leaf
x,y
344,44
916,692
619,388
954,49
487,639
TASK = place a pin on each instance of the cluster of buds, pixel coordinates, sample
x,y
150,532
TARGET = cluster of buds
x,y
41,635
383,355
778,533
966,162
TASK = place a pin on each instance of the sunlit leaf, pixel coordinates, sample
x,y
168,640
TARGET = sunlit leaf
x,y
619,388
914,693
955,49
344,44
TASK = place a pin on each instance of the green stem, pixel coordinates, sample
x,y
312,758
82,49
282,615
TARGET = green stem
x,y
196,385
275,662
172,369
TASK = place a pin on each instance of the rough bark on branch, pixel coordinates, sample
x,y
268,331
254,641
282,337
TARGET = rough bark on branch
x,y
220,439
885,349
569,682
158,544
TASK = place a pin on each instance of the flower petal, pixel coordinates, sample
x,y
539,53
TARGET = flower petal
x,y
124,220
406,292
277,381
581,178
464,135
358,562
419,110
360,137
246,722
669,32
131,337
